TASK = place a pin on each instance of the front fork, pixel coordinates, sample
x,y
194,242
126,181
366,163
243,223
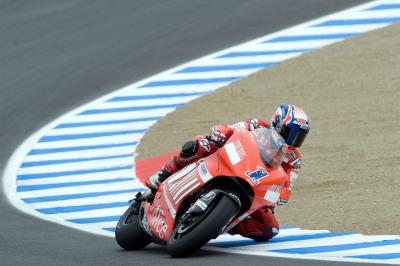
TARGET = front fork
x,y
136,204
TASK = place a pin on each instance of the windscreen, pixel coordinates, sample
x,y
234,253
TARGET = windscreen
x,y
271,146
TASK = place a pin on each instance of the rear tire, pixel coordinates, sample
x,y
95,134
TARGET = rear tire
x,y
128,233
207,229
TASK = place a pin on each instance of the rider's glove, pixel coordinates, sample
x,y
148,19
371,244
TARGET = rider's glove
x,y
217,137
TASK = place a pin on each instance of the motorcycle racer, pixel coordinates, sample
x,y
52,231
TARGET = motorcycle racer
x,y
290,121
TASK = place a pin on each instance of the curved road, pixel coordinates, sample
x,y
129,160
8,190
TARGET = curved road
x,y
57,55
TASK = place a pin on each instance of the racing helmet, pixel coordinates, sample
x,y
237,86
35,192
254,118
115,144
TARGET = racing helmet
x,y
292,123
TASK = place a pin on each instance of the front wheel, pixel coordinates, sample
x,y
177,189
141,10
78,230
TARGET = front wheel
x,y
184,242
128,233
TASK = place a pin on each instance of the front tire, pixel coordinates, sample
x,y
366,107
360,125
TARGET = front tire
x,y
222,212
128,233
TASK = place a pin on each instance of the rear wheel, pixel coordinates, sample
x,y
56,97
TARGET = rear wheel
x,y
128,233
187,238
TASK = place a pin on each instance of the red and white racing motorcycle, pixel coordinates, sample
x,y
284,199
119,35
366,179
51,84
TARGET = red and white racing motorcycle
x,y
207,197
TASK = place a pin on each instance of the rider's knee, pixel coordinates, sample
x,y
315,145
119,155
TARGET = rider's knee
x,y
189,148
265,235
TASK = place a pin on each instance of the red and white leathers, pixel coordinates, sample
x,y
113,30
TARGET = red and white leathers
x,y
262,225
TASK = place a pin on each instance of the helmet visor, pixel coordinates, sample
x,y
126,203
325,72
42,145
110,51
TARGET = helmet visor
x,y
294,136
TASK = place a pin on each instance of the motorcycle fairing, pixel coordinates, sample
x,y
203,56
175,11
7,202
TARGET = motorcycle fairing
x,y
240,155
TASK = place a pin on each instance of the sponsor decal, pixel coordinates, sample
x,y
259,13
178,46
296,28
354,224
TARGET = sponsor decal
x,y
301,124
273,193
145,224
203,172
169,204
158,222
236,198
201,204
209,196
203,169
257,174
235,152
296,162
239,149
233,155
289,156
205,144
183,183
181,173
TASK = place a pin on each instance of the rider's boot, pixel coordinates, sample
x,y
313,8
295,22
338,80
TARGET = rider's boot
x,y
155,180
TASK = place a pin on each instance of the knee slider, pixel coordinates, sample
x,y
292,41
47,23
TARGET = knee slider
x,y
273,231
189,149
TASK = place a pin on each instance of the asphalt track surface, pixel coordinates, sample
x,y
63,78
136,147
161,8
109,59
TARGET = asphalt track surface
x,y
58,55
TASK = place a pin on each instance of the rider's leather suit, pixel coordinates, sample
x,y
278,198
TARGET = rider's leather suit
x,y
262,224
